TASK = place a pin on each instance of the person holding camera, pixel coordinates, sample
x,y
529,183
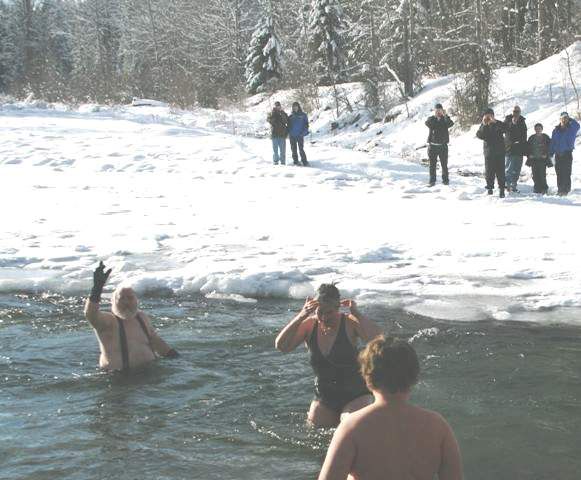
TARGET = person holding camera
x,y
438,140
491,132
331,337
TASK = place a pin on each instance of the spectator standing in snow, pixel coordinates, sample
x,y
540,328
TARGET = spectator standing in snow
x,y
515,141
491,131
562,145
298,129
278,120
438,139
538,146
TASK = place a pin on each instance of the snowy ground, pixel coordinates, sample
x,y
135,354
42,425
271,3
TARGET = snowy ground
x,y
188,202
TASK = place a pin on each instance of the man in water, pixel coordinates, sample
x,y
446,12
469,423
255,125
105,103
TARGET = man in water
x,y
126,336
331,338
392,438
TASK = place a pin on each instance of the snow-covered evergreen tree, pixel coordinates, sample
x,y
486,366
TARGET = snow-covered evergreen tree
x,y
326,40
263,62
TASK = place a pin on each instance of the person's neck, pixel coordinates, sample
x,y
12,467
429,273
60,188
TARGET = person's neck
x,y
332,323
391,400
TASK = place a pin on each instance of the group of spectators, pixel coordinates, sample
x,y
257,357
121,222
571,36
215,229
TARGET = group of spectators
x,y
506,143
505,146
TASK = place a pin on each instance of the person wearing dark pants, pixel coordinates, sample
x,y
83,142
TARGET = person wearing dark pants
x,y
563,169
438,139
562,145
298,128
537,149
492,132
515,141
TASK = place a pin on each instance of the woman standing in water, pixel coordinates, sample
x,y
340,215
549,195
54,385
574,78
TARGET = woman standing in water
x,y
331,338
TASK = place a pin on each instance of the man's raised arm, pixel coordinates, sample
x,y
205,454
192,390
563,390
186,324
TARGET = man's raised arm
x,y
92,313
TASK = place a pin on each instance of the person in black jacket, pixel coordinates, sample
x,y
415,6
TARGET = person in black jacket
x,y
438,139
515,142
538,150
278,120
492,131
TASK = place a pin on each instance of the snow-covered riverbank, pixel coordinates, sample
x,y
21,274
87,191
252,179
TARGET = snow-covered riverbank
x,y
176,201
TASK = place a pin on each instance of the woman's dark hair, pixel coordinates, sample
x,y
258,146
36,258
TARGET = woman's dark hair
x,y
328,293
389,364
298,105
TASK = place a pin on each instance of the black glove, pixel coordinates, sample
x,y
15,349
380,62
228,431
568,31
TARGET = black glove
x,y
100,277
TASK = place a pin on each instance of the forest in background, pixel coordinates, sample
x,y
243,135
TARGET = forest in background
x,y
207,52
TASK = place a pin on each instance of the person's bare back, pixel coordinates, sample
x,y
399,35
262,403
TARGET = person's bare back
x,y
392,439
399,441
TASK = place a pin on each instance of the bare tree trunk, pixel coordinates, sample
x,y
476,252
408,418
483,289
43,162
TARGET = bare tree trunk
x,y
28,60
156,69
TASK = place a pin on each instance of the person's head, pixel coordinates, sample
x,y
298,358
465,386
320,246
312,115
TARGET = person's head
x,y
538,128
124,302
489,114
516,111
297,107
438,110
564,119
389,365
277,106
329,301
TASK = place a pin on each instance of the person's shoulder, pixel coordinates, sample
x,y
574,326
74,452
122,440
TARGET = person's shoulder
x,y
429,416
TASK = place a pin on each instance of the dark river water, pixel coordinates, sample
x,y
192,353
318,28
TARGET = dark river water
x,y
231,407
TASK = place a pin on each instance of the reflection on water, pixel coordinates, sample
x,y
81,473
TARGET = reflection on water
x,y
231,407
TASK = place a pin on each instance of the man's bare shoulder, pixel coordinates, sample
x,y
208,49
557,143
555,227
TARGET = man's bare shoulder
x,y
107,319
432,419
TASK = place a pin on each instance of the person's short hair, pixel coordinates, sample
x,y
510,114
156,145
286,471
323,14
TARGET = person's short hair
x,y
489,111
438,105
539,125
389,364
328,293
277,104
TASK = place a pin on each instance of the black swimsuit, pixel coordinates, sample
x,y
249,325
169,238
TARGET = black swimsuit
x,y
123,340
338,380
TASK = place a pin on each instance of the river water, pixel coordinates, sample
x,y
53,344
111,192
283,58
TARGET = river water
x,y
231,407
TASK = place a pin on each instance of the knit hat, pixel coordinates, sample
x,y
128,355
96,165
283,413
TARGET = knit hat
x,y
489,111
438,105
564,114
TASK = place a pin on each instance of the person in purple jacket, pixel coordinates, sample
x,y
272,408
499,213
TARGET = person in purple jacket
x,y
298,128
562,145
